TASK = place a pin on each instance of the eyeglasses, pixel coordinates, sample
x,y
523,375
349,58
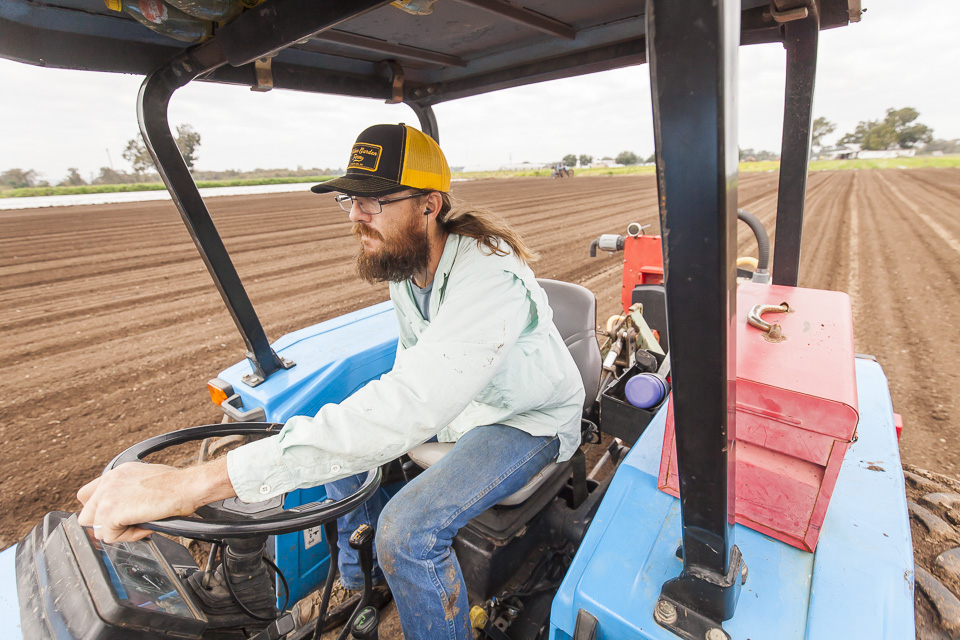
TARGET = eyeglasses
x,y
370,205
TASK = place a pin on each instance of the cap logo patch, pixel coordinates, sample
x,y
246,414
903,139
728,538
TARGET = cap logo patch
x,y
365,156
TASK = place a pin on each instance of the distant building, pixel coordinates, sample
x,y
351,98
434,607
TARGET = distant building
x,y
874,154
853,151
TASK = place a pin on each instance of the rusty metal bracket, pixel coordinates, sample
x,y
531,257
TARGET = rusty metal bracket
x,y
264,67
788,10
396,81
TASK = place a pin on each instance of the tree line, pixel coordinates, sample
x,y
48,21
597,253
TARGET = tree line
x,y
626,158
187,139
136,153
899,129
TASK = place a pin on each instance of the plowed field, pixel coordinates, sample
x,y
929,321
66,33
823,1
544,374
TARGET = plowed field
x,y
111,325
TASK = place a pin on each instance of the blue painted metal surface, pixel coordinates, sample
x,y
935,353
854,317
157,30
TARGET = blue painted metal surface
x,y
9,605
333,359
859,584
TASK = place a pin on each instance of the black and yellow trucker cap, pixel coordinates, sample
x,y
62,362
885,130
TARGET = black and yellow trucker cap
x,y
387,158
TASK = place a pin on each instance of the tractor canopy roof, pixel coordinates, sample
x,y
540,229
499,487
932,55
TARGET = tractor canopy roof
x,y
374,48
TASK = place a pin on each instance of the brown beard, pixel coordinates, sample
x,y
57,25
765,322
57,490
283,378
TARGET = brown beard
x,y
397,259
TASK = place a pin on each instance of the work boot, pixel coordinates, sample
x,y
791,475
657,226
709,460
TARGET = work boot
x,y
342,603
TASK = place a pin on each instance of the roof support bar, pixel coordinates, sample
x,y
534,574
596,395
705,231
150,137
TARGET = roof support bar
x,y
152,106
612,56
427,118
800,39
385,48
692,50
238,43
525,17
274,25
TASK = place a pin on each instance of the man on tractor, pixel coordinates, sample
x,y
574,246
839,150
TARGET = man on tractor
x,y
479,362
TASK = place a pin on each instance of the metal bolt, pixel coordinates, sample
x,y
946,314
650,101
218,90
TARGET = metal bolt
x,y
665,612
716,634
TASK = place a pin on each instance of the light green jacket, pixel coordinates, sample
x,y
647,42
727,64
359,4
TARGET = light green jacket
x,y
490,355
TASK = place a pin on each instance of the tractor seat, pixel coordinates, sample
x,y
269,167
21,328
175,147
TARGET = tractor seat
x,y
575,314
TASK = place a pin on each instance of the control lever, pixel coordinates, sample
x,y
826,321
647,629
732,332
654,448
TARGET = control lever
x,y
362,541
333,536
277,629
365,625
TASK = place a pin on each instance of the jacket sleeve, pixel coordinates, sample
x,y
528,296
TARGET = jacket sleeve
x,y
482,316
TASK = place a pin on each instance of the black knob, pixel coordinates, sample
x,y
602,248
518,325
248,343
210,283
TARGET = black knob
x,y
361,537
365,624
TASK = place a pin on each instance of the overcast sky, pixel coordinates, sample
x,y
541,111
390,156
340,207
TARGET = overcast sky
x,y
901,54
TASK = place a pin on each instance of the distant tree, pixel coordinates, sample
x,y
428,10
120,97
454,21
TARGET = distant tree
x,y
821,127
750,155
73,179
586,161
857,135
19,179
188,141
137,155
652,159
908,134
110,176
941,146
627,158
897,129
570,160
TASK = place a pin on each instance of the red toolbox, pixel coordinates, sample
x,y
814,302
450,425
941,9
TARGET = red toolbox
x,y
796,411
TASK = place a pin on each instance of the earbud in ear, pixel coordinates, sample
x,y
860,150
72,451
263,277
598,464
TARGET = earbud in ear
x,y
427,212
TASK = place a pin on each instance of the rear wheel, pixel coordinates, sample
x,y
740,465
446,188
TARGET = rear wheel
x,y
933,500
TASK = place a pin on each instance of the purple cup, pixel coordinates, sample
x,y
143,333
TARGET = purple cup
x,y
645,390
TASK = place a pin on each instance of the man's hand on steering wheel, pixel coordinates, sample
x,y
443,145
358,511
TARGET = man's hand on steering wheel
x,y
131,498
133,493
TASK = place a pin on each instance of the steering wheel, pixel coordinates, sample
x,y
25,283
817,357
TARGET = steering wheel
x,y
232,518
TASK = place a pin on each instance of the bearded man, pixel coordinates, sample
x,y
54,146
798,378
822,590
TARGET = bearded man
x,y
479,363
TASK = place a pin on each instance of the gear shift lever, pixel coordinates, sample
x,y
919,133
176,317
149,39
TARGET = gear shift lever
x,y
365,625
362,541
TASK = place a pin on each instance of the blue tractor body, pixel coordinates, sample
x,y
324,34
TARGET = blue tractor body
x,y
858,584
334,359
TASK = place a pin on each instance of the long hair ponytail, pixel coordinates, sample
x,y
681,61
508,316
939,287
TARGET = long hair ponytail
x,y
490,230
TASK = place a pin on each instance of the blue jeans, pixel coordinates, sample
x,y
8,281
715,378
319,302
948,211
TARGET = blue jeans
x,y
416,528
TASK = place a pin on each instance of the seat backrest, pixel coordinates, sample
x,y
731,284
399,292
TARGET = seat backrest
x,y
575,314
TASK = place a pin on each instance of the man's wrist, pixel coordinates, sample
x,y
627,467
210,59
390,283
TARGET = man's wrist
x,y
208,483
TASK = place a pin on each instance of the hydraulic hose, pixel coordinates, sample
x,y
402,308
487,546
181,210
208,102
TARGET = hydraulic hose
x,y
763,240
